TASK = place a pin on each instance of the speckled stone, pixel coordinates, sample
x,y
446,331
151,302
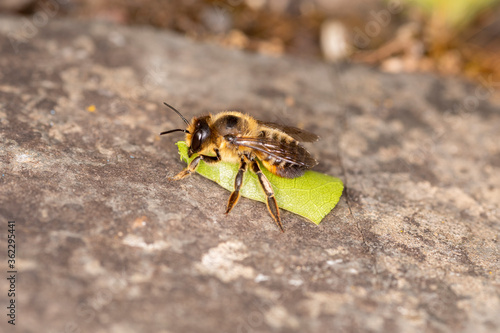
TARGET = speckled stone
x,y
106,244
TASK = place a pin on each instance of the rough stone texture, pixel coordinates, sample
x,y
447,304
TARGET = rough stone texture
x,y
106,244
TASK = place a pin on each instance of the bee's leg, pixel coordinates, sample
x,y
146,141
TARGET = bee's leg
x,y
211,159
194,164
272,205
233,199
188,170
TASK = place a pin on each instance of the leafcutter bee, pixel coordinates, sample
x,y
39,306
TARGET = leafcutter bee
x,y
236,137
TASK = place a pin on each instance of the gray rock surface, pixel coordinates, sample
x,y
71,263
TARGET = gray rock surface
x,y
106,244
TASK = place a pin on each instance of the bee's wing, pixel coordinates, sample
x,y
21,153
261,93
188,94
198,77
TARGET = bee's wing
x,y
290,152
295,132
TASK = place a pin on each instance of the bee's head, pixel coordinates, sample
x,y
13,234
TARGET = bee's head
x,y
197,135
197,132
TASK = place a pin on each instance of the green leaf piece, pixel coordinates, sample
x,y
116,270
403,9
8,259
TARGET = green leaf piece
x,y
312,195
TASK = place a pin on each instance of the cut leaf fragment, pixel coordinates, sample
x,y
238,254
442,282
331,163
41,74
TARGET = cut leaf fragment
x,y
312,195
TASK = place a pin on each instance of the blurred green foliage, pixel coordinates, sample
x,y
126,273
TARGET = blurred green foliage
x,y
454,14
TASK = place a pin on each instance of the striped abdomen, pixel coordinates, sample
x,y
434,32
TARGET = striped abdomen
x,y
282,155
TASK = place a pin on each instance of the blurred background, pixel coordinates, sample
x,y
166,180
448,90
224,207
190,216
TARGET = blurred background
x,y
459,38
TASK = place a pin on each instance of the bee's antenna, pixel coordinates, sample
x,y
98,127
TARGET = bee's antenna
x,y
185,120
175,130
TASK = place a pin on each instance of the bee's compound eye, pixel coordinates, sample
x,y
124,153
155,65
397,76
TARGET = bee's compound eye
x,y
201,133
196,141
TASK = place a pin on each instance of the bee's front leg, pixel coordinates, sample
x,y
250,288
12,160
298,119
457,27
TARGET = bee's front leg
x,y
189,169
194,164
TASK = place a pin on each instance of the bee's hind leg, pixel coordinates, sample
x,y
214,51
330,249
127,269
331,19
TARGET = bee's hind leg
x,y
235,195
271,203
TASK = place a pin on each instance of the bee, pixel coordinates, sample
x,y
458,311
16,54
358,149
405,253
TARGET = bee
x,y
236,137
